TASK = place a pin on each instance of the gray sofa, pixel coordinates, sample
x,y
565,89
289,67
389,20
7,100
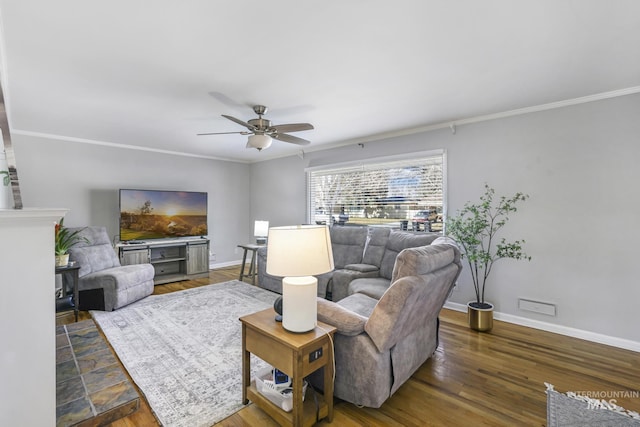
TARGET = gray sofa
x,y
103,283
373,275
381,342
347,245
367,254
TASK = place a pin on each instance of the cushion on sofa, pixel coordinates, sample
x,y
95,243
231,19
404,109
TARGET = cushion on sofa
x,y
423,259
361,268
373,287
342,277
399,240
376,242
95,255
347,244
359,303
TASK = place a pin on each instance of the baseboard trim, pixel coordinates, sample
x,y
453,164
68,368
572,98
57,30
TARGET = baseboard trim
x,y
558,329
224,264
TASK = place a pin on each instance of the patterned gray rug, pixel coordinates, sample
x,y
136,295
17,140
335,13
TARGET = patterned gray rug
x,y
184,349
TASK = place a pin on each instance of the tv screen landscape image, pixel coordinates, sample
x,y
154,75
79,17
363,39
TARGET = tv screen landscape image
x,y
154,214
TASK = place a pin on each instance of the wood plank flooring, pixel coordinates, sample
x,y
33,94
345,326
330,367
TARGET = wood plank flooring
x,y
474,379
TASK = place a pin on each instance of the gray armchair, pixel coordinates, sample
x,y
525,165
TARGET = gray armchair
x,y
381,343
103,283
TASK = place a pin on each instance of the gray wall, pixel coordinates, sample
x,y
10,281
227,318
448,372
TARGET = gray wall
x,y
577,163
579,166
85,178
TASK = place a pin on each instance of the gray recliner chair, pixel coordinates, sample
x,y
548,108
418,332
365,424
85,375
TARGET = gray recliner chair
x,y
379,344
103,283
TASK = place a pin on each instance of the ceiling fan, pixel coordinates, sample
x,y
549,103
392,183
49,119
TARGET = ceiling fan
x,y
261,131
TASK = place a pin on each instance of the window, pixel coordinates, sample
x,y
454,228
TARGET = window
x,y
403,193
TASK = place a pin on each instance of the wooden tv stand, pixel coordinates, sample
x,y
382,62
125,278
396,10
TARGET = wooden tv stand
x,y
173,260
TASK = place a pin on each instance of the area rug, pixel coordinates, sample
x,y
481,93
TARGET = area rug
x,y
184,349
577,410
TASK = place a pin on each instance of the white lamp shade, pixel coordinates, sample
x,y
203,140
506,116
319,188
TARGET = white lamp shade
x,y
261,228
259,141
300,250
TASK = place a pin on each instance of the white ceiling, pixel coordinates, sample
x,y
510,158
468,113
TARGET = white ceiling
x,y
153,74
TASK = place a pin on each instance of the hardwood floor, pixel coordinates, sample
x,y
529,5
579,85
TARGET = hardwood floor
x,y
473,379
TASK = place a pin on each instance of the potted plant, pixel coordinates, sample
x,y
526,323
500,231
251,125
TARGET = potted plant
x,y
474,228
64,240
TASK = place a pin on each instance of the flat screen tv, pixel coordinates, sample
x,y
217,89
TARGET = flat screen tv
x,y
154,214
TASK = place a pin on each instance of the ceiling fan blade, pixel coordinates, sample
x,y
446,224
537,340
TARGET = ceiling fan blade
x,y
240,122
224,133
290,138
292,127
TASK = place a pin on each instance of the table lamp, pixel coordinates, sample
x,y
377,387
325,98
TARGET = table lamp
x,y
261,231
297,253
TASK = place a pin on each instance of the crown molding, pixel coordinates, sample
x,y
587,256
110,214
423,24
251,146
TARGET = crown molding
x,y
118,145
451,124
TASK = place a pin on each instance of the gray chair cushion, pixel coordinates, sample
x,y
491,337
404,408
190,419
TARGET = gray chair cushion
x,y
347,244
359,303
95,255
423,259
373,287
361,268
376,243
399,240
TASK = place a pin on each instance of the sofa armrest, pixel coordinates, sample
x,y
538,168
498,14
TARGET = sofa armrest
x,y
341,279
346,321
361,268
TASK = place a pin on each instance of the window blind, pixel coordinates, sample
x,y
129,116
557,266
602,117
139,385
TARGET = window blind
x,y
380,192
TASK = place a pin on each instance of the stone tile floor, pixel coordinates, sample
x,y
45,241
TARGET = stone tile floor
x,y
91,387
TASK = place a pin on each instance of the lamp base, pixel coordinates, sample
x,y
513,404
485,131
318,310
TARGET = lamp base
x,y
261,241
299,304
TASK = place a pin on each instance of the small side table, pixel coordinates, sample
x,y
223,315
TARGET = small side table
x,y
72,271
252,266
297,355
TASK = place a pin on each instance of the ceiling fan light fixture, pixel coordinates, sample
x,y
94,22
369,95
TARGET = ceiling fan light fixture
x,y
262,133
259,141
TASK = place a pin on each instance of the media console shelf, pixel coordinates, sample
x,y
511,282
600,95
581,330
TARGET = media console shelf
x,y
173,260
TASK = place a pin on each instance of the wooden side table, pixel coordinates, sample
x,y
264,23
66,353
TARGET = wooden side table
x,y
252,266
297,355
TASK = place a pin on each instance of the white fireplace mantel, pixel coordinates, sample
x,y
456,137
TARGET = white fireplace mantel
x,y
27,316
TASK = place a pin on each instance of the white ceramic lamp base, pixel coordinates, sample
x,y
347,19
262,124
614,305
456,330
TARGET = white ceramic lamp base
x,y
299,305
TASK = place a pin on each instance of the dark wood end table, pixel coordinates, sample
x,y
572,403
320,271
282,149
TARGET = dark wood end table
x,y
72,271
